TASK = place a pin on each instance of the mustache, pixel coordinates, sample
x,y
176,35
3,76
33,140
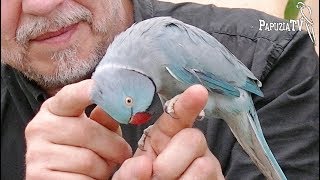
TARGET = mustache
x,y
34,26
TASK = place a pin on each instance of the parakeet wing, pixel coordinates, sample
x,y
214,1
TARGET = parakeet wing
x,y
209,80
205,60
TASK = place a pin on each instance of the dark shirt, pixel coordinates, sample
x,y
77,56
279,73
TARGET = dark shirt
x,y
285,62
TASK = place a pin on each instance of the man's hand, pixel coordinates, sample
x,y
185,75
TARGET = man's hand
x,y
174,150
63,143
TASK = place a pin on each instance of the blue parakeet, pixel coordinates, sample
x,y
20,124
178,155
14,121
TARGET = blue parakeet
x,y
164,56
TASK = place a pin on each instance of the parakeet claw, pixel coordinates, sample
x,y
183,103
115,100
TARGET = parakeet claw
x,y
169,106
142,140
201,115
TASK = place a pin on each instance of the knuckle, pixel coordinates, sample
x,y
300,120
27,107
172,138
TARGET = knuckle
x,y
208,167
204,165
63,95
195,136
93,164
31,156
67,92
159,167
66,89
34,127
39,125
44,105
36,154
126,162
89,161
35,173
121,174
126,150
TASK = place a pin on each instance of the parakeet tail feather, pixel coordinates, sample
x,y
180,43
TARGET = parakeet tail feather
x,y
265,159
246,128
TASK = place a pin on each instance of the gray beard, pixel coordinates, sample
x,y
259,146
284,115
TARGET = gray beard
x,y
69,69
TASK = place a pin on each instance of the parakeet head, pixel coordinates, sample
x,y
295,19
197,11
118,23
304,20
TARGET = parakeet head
x,y
126,95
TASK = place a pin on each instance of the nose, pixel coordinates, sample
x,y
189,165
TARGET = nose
x,y
39,7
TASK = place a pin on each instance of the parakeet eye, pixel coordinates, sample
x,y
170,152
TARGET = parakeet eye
x,y
129,101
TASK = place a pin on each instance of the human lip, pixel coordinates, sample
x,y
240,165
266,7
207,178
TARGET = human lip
x,y
61,35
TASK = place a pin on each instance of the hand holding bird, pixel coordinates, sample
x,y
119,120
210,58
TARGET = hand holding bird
x,y
163,56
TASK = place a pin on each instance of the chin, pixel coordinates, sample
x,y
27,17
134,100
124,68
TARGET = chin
x,y
61,77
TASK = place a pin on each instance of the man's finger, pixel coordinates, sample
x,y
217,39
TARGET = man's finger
x,y
87,134
71,100
179,154
75,160
52,174
105,120
205,167
186,109
139,167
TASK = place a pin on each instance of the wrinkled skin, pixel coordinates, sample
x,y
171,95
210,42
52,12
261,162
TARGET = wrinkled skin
x,y
92,145
55,62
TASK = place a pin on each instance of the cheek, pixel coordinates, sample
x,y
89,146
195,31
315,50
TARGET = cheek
x,y
10,14
101,9
93,7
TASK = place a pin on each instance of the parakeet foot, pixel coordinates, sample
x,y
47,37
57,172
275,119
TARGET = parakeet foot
x,y
142,140
169,106
201,115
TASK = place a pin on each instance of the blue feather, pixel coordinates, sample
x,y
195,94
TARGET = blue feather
x,y
209,80
259,134
182,75
252,87
214,82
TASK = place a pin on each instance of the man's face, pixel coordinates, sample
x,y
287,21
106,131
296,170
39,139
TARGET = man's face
x,y
57,42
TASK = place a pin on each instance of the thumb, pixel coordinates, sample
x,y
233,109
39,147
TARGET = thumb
x,y
186,110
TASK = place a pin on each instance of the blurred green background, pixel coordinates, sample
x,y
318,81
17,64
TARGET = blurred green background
x,y
291,11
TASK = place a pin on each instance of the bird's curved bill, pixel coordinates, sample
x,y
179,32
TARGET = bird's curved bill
x,y
140,118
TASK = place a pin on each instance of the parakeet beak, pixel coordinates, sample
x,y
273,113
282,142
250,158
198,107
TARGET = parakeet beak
x,y
144,116
140,118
